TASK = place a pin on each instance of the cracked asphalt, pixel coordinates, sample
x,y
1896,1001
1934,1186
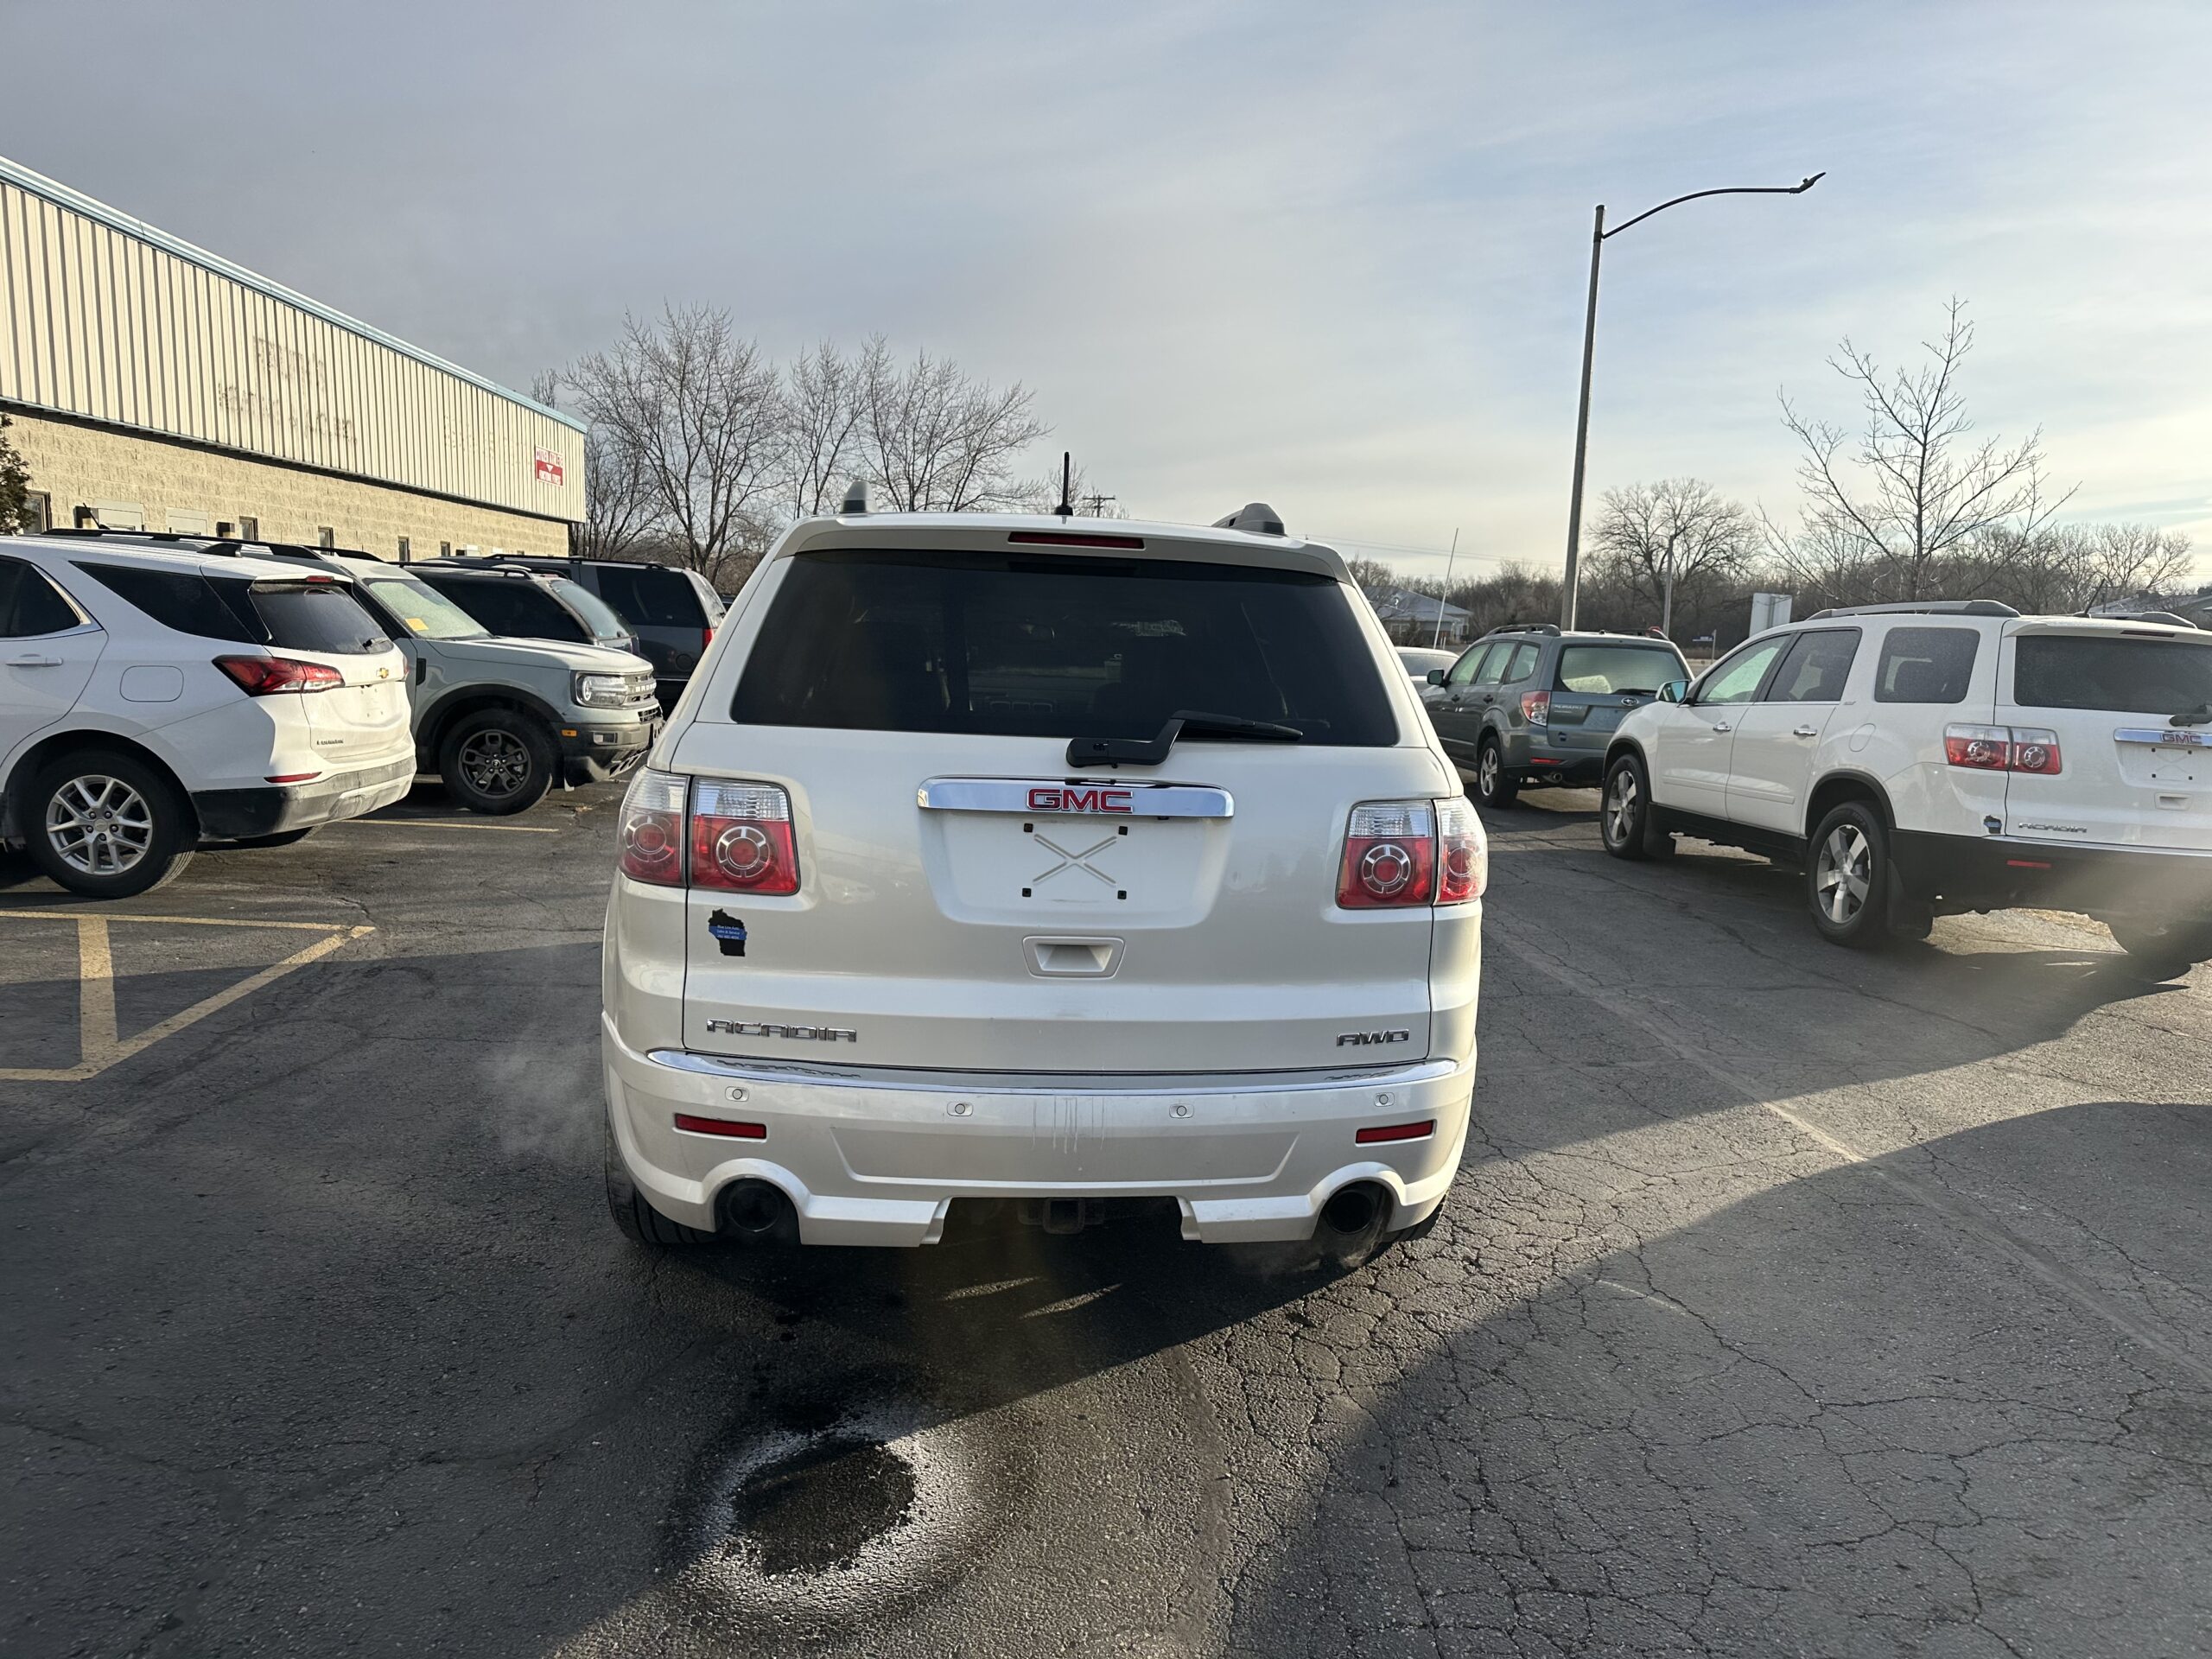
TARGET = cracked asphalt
x,y
1791,1301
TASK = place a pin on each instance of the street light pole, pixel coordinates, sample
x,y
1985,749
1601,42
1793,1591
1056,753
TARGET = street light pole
x,y
1569,589
1449,560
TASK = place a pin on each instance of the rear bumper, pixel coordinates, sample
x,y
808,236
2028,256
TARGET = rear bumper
x,y
600,752
1996,872
240,814
868,1162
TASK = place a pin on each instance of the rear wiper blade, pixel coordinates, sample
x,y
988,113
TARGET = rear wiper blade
x,y
1150,752
2196,717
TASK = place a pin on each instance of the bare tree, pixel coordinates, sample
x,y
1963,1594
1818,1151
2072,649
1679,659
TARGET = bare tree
x,y
1882,509
1369,574
617,494
938,441
1680,530
2074,568
826,432
1042,495
702,415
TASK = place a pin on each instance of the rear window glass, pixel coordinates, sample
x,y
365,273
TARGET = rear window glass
x,y
183,600
1925,664
646,596
1602,669
317,619
2140,676
1005,644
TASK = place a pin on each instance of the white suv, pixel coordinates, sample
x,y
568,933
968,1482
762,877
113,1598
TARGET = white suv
x,y
993,857
1928,759
150,698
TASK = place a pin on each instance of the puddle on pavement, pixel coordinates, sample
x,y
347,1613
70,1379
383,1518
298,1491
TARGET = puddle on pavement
x,y
816,1507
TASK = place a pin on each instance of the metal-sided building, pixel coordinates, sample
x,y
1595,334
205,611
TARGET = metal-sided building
x,y
152,385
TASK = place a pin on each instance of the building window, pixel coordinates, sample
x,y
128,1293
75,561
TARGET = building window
x,y
38,513
225,531
249,530
445,549
326,537
403,549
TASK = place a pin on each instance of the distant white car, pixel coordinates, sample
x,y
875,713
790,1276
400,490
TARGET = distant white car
x,y
151,697
1420,662
995,858
1926,759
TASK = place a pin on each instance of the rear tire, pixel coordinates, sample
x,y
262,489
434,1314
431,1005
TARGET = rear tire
x,y
496,761
107,825
640,1223
2159,951
1848,877
1493,788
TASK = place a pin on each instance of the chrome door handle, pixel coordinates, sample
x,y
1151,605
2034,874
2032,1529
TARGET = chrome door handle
x,y
1804,731
34,661
1723,725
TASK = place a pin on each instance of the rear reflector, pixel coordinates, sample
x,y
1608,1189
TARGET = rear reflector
x,y
292,777
723,1126
1420,1131
2026,864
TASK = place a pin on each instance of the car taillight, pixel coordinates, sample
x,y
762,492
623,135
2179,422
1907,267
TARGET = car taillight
x,y
261,677
652,829
1536,708
1389,855
1462,856
2002,748
741,837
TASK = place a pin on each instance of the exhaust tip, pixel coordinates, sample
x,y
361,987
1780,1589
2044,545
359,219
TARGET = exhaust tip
x,y
1354,1210
758,1212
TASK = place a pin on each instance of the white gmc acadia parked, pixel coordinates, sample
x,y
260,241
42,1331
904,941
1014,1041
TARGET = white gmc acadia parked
x,y
993,857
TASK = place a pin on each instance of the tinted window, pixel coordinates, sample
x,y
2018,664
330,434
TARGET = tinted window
x,y
183,600
1925,664
2142,676
1062,647
597,614
1737,679
29,604
324,619
510,605
1817,667
644,595
1603,669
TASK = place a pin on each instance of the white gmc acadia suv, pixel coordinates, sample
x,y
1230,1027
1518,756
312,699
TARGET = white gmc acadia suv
x,y
152,696
992,857
1928,758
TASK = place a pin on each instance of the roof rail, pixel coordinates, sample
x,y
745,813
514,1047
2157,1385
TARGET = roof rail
x,y
1922,606
1525,627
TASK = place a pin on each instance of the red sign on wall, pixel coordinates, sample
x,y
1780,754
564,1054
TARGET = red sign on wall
x,y
549,467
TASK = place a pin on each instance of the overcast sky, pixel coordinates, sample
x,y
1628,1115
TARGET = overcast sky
x,y
1330,257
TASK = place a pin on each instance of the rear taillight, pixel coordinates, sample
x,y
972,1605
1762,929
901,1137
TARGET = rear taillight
x,y
735,837
741,837
261,677
2002,748
1403,852
652,829
1536,708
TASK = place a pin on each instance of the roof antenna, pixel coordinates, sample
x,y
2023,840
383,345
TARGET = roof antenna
x,y
1066,509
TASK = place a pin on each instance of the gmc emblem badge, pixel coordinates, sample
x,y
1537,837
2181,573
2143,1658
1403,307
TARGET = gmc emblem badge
x,y
1073,798
1360,1039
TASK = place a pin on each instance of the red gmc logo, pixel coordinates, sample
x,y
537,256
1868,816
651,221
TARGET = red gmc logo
x,y
1079,800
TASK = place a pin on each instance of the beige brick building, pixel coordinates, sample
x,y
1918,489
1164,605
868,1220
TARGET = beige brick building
x,y
149,384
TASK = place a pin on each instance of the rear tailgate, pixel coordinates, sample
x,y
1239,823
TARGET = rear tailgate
x,y
366,718
2127,775
1597,684
967,899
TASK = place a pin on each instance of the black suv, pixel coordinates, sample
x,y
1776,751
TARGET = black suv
x,y
672,613
1528,705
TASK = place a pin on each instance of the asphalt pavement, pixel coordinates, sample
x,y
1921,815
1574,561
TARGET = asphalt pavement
x,y
1791,1301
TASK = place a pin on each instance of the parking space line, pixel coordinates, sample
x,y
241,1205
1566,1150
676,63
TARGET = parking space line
x,y
98,1044
180,921
445,823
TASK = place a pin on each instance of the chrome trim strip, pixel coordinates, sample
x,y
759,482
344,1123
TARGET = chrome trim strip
x,y
1052,1083
2165,737
1109,798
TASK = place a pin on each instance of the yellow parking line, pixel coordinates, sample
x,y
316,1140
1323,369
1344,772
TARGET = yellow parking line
x,y
98,1046
182,921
